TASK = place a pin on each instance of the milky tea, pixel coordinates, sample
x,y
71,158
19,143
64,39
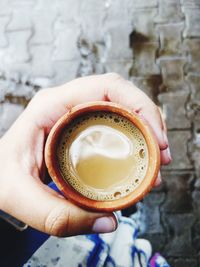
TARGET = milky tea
x,y
102,155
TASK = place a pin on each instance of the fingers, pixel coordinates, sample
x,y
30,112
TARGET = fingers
x,y
52,103
140,103
49,212
152,116
165,157
165,154
44,209
158,180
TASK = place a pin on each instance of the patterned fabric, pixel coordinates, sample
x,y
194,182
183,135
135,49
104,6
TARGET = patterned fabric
x,y
158,261
122,248
119,249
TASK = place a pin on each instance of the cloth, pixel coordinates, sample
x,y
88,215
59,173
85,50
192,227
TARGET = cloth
x,y
158,261
122,248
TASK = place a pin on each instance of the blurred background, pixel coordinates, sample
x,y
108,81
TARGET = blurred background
x,y
156,45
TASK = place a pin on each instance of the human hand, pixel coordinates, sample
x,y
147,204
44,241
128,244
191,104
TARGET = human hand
x,y
22,192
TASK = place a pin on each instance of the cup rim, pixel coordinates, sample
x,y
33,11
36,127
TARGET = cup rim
x,y
111,205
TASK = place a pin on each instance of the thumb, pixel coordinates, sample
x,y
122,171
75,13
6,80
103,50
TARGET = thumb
x,y
46,210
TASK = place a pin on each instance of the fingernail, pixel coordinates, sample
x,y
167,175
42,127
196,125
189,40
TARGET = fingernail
x,y
104,225
169,154
158,180
165,139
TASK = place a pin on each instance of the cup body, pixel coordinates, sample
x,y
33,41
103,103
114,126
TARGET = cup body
x,y
68,191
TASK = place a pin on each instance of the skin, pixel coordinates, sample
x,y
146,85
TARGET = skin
x,y
22,192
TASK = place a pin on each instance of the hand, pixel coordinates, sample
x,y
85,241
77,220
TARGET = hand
x,y
22,192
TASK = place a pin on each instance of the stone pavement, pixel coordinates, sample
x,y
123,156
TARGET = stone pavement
x,y
153,43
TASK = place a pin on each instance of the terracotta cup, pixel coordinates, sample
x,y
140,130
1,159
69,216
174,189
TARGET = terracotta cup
x,y
68,191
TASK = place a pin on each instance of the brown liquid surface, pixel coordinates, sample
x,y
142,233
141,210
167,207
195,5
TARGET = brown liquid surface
x,y
103,156
103,172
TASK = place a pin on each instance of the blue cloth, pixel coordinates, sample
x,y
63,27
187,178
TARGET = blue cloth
x,y
17,247
121,248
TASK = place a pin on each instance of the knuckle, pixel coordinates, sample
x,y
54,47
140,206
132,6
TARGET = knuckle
x,y
41,93
114,76
38,97
130,84
162,114
57,222
155,108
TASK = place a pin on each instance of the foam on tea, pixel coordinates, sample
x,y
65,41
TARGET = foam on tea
x,y
102,155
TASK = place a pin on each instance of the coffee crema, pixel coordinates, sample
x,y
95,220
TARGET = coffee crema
x,y
102,155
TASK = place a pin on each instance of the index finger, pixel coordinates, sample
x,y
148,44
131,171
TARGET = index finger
x,y
54,102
